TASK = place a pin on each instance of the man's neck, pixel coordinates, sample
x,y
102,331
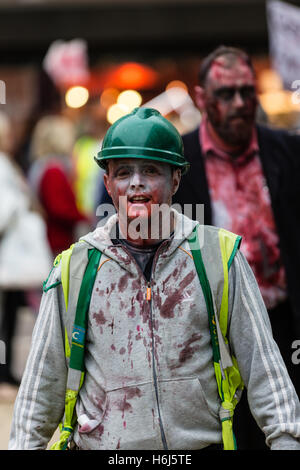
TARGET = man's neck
x,y
142,242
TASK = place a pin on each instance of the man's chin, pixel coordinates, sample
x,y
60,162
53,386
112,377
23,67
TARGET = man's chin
x,y
140,212
237,136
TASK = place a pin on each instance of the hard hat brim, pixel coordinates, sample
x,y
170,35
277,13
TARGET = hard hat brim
x,y
164,156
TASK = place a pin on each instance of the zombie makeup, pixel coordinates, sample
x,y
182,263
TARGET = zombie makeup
x,y
230,101
136,186
227,93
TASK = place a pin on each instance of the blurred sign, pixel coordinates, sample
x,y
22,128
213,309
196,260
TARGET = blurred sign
x,y
66,62
284,38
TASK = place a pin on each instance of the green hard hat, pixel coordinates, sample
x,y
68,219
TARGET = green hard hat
x,y
144,133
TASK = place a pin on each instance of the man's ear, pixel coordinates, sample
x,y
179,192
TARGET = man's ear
x,y
200,97
106,183
176,180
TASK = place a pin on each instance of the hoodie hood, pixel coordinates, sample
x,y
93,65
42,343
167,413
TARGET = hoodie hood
x,y
100,238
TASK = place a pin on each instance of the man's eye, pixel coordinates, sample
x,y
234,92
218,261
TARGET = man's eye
x,y
247,91
225,94
150,170
122,173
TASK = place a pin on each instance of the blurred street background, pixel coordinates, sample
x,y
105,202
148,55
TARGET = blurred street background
x,y
21,344
90,62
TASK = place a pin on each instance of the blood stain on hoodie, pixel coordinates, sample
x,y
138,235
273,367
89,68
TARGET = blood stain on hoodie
x,y
131,312
100,319
123,404
123,281
175,296
130,343
187,350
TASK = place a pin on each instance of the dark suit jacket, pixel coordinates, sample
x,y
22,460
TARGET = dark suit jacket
x,y
280,158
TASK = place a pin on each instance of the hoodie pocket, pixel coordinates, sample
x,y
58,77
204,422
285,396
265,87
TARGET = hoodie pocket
x,y
188,420
212,411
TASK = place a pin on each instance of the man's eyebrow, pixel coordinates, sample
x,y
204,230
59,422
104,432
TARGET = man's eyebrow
x,y
120,166
151,163
225,87
123,164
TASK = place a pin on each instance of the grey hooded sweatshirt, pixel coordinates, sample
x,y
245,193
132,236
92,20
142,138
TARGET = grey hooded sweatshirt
x,y
150,381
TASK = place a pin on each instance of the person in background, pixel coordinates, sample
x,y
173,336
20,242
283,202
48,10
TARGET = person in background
x,y
14,197
51,176
91,129
247,177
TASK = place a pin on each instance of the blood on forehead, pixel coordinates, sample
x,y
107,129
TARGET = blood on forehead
x,y
227,73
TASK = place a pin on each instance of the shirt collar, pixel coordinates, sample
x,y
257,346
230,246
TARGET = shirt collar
x,y
210,148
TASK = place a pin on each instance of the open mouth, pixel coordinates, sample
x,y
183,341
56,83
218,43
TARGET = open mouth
x,y
139,199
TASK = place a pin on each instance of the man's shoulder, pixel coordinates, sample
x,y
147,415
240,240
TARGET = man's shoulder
x,y
213,230
279,148
68,263
277,134
215,234
263,131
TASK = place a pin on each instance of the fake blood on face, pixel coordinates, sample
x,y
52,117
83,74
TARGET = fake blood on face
x,y
230,120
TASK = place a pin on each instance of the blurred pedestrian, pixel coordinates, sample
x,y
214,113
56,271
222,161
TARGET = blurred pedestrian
x,y
247,177
52,176
88,175
18,276
12,192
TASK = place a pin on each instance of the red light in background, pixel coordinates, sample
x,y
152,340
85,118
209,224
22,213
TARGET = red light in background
x,y
132,75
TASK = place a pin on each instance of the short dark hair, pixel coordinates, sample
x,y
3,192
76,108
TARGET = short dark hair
x,y
232,54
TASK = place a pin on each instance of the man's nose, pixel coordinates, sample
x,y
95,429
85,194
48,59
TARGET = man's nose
x,y
136,180
238,101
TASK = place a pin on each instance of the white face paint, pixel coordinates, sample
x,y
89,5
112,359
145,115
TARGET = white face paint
x,y
137,187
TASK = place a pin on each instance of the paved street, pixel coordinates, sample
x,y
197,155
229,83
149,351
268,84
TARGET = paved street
x,y
22,340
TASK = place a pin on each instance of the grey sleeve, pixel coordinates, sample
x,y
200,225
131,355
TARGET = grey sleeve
x,y
39,406
271,395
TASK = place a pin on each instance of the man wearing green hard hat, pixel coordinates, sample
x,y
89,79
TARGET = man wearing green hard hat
x,y
142,154
147,336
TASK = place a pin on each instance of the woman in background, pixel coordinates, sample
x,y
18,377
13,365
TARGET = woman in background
x,y
15,197
51,175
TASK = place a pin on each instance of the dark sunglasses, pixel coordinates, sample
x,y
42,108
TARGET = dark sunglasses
x,y
228,93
